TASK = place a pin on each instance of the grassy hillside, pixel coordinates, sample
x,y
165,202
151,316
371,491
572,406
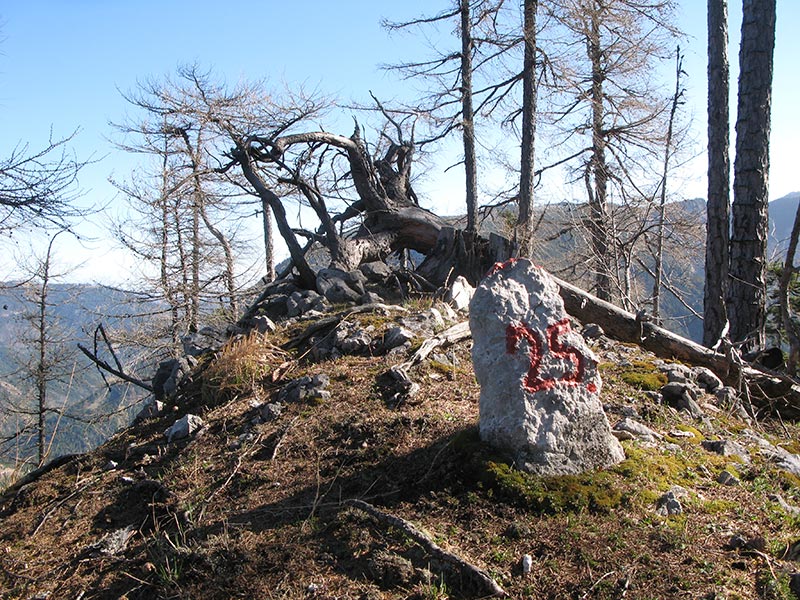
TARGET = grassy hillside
x,y
255,507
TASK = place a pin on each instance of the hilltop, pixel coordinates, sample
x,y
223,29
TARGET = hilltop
x,y
317,474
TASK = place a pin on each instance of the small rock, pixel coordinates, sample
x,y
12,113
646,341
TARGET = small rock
x,y
727,396
592,331
152,408
527,564
637,429
183,427
517,531
680,433
263,324
683,396
376,272
707,379
668,505
678,491
459,294
270,411
396,336
792,510
727,448
728,478
370,298
678,373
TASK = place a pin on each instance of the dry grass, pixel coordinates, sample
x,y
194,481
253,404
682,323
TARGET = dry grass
x,y
256,510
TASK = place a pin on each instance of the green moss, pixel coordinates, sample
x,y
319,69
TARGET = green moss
x,y
644,381
594,491
719,506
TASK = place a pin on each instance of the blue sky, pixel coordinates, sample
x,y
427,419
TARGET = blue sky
x,y
63,64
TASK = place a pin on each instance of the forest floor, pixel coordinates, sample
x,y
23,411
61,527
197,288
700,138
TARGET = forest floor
x,y
252,509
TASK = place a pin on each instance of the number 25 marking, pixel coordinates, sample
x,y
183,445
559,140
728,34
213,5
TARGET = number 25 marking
x,y
533,382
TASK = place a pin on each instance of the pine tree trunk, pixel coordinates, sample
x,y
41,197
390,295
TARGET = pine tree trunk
x,y
748,257
525,218
717,207
468,118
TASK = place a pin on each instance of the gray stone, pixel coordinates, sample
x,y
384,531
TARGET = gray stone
x,y
668,505
270,411
340,286
636,429
727,396
304,388
707,379
396,336
727,448
151,409
459,294
263,324
184,427
677,373
204,341
376,272
784,459
728,478
682,396
539,381
370,298
592,331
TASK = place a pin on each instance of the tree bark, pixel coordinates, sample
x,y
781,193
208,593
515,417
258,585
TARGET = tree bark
x,y
597,175
269,246
748,254
468,118
719,167
525,220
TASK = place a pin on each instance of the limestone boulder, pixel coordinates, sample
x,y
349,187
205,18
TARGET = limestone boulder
x,y
540,389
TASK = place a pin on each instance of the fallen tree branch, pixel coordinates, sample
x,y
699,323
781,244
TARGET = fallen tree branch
x,y
775,391
448,337
114,371
481,579
333,321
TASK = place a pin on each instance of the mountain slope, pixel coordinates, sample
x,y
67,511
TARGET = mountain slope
x,y
256,504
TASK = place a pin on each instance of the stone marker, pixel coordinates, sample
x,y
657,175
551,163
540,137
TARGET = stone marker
x,y
539,382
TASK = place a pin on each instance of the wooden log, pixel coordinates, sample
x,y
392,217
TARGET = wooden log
x,y
768,389
478,577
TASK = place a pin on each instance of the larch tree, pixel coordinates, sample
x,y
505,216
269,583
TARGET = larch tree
x,y
718,203
609,116
748,244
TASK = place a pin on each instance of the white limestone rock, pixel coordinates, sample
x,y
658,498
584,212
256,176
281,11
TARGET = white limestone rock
x,y
459,293
539,382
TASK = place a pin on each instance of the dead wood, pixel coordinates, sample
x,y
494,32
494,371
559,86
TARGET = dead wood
x,y
448,337
334,320
768,389
478,577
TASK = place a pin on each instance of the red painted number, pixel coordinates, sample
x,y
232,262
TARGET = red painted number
x,y
533,382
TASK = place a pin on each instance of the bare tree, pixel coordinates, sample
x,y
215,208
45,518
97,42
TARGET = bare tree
x,y
748,244
607,112
717,207
49,361
788,320
658,275
38,187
